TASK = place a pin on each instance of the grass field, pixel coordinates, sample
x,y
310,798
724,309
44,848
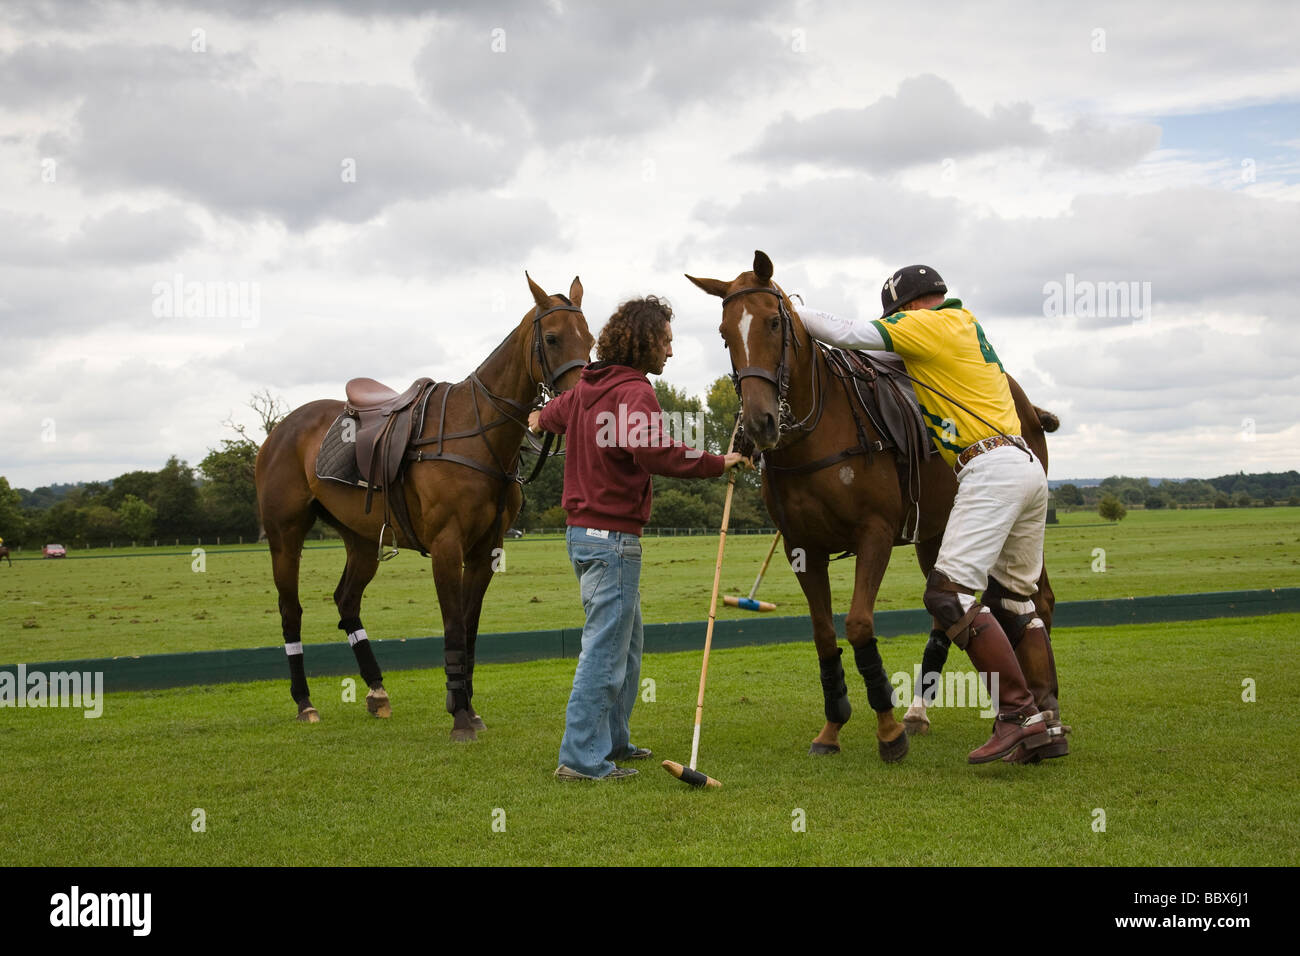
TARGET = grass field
x,y
1184,770
140,601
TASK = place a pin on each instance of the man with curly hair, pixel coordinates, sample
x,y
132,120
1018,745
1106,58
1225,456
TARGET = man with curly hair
x,y
616,440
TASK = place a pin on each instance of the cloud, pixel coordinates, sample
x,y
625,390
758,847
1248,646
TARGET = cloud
x,y
925,121
1193,245
566,72
477,231
1089,143
120,236
205,128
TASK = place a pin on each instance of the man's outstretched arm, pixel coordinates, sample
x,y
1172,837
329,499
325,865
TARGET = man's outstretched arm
x,y
841,332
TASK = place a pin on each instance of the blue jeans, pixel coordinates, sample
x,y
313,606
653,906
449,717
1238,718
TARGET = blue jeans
x,y
608,678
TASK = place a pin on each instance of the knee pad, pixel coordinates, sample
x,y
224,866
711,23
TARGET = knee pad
x,y
835,693
943,601
1015,612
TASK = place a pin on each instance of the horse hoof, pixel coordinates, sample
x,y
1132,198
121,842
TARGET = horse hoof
x,y
378,704
892,751
819,749
309,715
462,728
477,723
916,726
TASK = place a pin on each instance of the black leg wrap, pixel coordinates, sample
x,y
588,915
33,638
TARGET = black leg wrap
x,y
367,665
457,682
880,693
835,693
350,624
297,678
932,661
469,674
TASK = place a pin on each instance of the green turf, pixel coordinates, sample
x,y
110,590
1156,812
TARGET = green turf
x,y
1185,771
144,602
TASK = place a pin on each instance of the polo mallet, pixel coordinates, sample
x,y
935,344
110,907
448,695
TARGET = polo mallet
x,y
690,774
750,603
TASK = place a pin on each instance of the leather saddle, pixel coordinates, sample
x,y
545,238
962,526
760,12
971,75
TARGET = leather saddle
x,y
386,424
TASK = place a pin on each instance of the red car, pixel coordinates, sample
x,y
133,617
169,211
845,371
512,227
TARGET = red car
x,y
54,551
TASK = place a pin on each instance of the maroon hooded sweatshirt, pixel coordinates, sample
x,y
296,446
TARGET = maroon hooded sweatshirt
x,y
616,439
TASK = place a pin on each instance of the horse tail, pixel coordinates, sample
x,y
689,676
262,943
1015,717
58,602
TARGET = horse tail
x,y
1047,420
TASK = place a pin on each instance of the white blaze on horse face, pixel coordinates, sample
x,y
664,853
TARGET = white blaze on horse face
x,y
745,321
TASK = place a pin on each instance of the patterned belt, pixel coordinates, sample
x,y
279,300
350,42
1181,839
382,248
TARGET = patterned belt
x,y
988,444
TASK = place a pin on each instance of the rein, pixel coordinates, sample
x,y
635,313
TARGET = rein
x,y
781,379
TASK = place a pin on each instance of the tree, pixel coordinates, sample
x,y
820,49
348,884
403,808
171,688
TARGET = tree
x,y
676,509
137,484
13,524
1156,500
1111,508
723,403
175,498
136,518
1242,500
229,498
1068,494
270,409
1222,501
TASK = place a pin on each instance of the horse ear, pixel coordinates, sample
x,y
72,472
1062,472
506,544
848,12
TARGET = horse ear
x,y
539,294
575,292
762,266
711,286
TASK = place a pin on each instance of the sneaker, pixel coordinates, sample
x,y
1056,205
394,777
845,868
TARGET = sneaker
x,y
618,773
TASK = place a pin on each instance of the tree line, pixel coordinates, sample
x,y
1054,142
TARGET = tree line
x,y
1227,491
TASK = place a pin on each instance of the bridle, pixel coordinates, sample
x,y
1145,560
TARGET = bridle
x,y
781,378
546,387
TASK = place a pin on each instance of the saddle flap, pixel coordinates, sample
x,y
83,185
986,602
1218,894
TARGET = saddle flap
x,y
898,405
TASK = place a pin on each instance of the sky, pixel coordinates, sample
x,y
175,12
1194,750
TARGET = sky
x,y
1111,188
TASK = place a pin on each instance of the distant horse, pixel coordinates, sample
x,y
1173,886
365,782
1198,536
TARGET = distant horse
x,y
458,495
802,424
4,553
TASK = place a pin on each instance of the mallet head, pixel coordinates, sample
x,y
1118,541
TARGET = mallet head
x,y
687,775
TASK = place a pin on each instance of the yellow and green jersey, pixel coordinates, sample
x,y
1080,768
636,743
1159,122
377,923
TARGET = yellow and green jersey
x,y
946,349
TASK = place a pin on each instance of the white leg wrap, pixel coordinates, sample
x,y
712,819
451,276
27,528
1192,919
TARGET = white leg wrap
x,y
293,649
354,636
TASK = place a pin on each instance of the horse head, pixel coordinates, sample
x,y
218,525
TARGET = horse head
x,y
560,343
761,332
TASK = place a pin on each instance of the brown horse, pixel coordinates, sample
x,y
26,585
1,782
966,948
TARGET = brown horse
x,y
785,382
4,553
459,498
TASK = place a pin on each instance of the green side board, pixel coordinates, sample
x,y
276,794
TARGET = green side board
x,y
267,663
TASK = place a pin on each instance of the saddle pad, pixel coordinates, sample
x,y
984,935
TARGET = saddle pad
x,y
337,458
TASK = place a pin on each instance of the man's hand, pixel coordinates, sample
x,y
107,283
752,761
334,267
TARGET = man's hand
x,y
534,419
735,458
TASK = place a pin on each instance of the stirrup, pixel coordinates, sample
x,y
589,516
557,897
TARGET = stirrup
x,y
390,554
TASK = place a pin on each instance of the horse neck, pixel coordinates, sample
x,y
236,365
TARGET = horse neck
x,y
808,374
505,373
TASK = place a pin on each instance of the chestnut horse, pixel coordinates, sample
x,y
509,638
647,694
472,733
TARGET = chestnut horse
x,y
459,503
785,383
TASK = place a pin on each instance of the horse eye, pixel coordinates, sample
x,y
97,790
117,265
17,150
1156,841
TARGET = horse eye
x,y
776,322
551,338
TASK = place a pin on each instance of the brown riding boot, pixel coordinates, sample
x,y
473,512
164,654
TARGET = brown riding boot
x,y
1037,663
1019,725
